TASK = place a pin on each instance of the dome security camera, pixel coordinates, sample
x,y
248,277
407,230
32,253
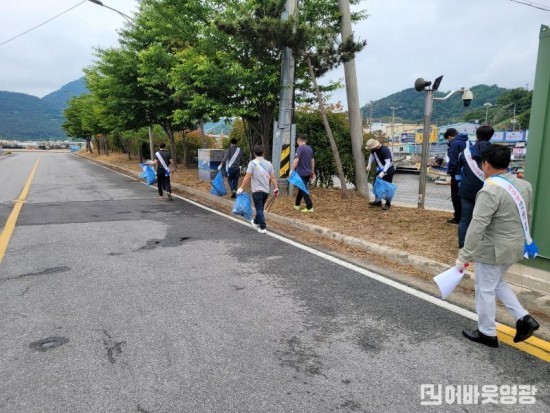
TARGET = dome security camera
x,y
467,97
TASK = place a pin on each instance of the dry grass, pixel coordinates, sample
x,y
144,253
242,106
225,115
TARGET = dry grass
x,y
421,232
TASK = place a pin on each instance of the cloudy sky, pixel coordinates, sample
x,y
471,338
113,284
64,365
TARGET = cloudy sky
x,y
468,41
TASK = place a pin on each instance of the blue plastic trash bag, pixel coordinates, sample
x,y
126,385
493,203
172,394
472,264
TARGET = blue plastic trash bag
x,y
383,190
148,173
295,180
218,187
243,206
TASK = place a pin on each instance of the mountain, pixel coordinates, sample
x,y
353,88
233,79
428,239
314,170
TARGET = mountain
x,y
28,117
409,105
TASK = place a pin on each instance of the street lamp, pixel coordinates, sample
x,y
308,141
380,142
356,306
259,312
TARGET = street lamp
x,y
487,105
129,20
99,3
423,85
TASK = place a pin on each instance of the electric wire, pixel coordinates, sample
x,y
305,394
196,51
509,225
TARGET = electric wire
x,y
42,24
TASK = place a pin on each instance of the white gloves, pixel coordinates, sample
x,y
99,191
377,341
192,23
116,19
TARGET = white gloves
x,y
220,167
276,192
461,266
381,175
239,191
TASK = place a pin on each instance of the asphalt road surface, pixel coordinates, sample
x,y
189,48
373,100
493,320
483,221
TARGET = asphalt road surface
x,y
114,301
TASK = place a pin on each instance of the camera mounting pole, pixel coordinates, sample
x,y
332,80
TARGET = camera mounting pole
x,y
423,85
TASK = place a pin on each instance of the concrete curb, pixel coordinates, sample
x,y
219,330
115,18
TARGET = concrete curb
x,y
534,292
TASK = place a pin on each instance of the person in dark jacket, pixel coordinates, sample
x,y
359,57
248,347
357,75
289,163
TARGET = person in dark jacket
x,y
232,164
470,178
162,162
456,144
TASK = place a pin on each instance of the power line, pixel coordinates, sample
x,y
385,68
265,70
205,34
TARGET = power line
x,y
531,4
41,24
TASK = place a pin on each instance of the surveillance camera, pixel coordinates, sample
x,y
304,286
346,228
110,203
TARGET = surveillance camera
x,y
467,97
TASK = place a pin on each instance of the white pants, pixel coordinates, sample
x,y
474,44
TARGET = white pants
x,y
489,285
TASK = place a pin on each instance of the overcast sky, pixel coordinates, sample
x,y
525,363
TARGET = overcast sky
x,y
468,41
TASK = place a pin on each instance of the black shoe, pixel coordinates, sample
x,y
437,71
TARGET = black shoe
x,y
375,204
233,194
170,197
453,221
525,327
479,337
386,206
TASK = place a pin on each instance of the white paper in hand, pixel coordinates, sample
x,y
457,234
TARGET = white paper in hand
x,y
448,280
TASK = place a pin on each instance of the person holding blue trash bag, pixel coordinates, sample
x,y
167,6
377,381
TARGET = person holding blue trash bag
x,y
385,169
231,162
304,165
162,163
498,237
260,174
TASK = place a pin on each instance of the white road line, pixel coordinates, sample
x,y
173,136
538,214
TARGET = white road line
x,y
402,287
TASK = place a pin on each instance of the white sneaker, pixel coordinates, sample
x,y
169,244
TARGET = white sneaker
x,y
262,231
253,224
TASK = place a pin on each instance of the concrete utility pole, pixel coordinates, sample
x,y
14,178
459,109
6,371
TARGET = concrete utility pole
x,y
281,138
422,85
487,105
356,130
393,108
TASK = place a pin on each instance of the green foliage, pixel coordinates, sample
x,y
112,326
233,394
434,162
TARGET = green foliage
x,y
412,106
310,124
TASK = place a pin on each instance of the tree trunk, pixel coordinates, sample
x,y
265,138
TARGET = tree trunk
x,y
361,182
185,150
333,146
203,136
170,133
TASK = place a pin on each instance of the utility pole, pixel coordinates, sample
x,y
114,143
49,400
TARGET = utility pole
x,y
361,182
282,133
393,108
422,85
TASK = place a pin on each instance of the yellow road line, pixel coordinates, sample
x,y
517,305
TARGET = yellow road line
x,y
12,219
533,345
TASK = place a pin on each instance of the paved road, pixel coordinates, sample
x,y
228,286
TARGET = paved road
x,y
156,306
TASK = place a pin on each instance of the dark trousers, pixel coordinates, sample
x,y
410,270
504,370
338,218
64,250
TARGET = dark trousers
x,y
233,175
388,178
455,199
467,208
302,194
259,199
163,181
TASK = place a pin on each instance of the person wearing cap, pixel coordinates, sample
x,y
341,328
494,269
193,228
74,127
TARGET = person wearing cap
x,y
232,162
384,162
457,143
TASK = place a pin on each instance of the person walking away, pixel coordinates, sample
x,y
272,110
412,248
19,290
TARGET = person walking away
x,y
457,143
162,163
260,174
470,178
497,238
232,162
384,166
304,164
